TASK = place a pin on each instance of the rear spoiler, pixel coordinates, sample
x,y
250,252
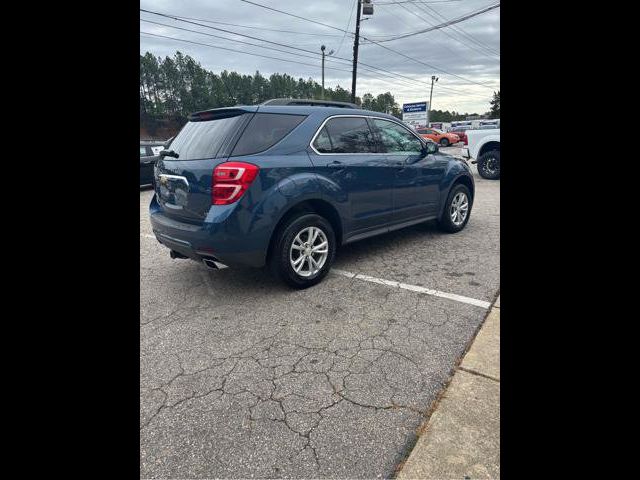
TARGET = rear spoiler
x,y
225,112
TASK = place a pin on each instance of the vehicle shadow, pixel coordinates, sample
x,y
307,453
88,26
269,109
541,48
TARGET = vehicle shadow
x,y
398,238
259,281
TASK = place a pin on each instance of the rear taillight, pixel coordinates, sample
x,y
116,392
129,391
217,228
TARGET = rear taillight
x,y
466,141
231,180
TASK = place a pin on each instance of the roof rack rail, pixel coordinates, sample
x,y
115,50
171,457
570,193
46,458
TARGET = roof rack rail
x,y
308,102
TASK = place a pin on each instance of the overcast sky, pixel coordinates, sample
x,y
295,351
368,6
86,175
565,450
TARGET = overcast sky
x,y
469,49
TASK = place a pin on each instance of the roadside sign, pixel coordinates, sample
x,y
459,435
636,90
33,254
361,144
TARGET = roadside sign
x,y
416,114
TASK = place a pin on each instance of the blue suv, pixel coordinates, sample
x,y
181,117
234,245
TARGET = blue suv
x,y
285,185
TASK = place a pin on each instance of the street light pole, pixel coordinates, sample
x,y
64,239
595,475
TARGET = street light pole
x,y
433,78
322,47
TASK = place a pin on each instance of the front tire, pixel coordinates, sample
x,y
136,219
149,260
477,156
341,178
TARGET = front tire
x,y
489,165
444,142
303,251
457,209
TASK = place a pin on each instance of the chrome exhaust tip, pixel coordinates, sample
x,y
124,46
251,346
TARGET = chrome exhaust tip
x,y
213,264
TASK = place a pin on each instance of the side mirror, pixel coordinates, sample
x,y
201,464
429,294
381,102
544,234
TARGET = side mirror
x,y
430,148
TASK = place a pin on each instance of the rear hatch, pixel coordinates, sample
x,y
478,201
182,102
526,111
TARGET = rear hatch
x,y
183,180
184,174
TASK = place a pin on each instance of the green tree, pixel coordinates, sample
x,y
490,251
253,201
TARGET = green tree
x,y
173,87
367,101
495,105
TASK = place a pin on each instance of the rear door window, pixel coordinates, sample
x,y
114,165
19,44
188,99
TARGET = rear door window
x,y
323,142
346,135
264,131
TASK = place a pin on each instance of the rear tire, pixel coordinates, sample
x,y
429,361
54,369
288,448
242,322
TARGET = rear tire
x,y
489,165
458,197
444,142
303,236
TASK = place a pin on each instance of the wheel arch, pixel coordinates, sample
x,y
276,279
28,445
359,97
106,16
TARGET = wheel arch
x,y
313,205
467,182
487,147
459,178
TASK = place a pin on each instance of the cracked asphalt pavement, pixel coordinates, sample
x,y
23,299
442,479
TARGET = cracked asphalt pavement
x,y
241,377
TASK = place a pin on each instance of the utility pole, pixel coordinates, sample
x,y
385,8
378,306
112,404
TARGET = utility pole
x,y
433,78
355,53
366,8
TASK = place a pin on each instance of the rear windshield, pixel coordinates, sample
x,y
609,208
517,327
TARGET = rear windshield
x,y
203,139
206,139
264,131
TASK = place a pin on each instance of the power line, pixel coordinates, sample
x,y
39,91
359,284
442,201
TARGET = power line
x,y
179,18
389,10
295,16
239,51
260,55
357,5
458,29
428,65
254,54
415,1
445,24
375,43
444,44
450,35
445,32
255,27
270,48
229,39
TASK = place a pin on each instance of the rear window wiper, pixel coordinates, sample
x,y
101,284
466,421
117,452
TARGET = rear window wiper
x,y
169,153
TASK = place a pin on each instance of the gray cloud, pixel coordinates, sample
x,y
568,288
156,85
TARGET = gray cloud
x,y
448,49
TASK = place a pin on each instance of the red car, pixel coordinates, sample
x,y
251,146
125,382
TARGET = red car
x,y
444,139
460,132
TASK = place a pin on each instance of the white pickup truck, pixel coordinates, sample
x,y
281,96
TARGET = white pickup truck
x,y
484,147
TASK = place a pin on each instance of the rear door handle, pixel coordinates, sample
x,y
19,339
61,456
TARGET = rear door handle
x,y
337,165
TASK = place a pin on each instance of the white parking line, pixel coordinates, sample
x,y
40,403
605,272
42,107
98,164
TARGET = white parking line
x,y
405,286
414,288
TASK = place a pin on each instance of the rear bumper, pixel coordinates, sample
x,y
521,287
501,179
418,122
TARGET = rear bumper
x,y
222,242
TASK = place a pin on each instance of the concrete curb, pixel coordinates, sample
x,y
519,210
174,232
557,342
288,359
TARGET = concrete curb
x,y
462,437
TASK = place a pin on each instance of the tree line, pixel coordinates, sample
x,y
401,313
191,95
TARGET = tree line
x,y
173,87
176,86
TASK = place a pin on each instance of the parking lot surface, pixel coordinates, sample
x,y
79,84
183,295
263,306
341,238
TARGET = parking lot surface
x,y
242,377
